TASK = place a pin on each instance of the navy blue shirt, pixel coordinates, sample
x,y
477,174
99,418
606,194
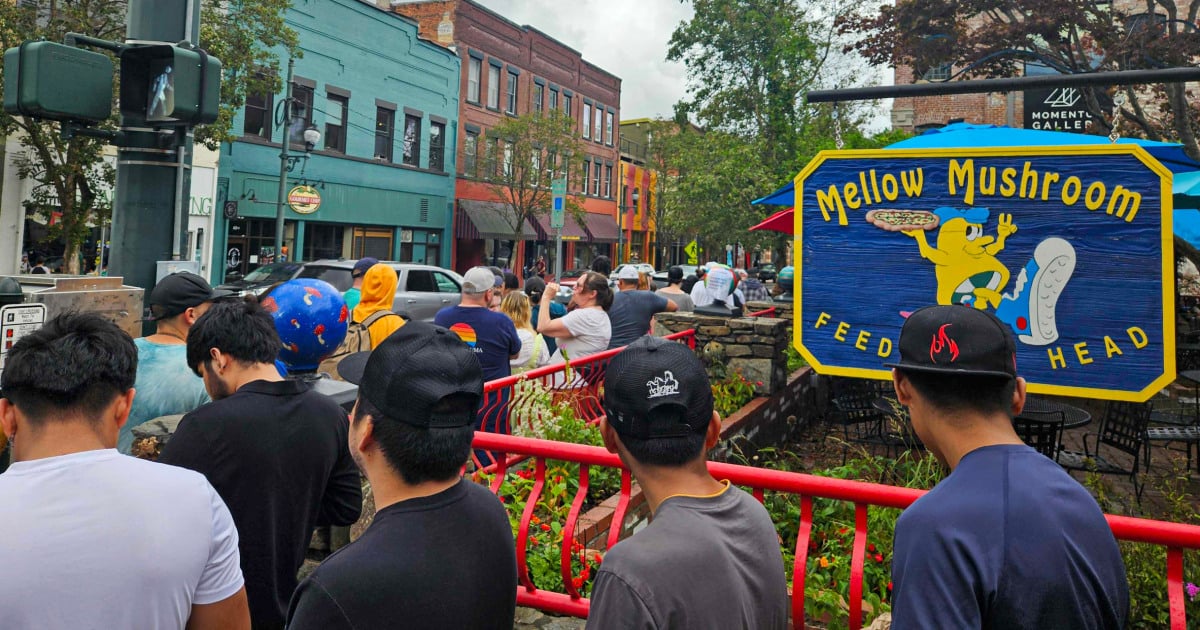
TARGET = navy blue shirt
x,y
491,335
556,310
1008,540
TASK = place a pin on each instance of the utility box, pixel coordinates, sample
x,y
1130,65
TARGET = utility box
x,y
106,296
170,85
58,82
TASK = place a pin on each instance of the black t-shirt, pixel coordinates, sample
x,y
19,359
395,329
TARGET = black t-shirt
x,y
442,561
276,453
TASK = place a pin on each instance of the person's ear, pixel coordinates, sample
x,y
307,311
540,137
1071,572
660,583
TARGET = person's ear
x,y
1018,401
366,433
8,418
903,387
218,361
608,434
122,406
713,434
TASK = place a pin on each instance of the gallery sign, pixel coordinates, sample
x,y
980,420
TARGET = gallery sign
x,y
1071,247
1061,109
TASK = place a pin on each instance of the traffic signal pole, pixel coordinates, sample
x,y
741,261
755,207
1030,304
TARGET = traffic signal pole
x,y
153,166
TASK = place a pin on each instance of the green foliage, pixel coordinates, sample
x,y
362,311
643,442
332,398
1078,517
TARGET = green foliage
x,y
1145,564
523,154
794,360
69,176
830,549
731,393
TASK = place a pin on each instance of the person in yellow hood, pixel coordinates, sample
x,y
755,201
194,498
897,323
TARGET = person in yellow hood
x,y
378,292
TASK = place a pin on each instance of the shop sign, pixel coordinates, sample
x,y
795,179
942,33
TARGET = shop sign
x,y
304,199
1061,109
1070,247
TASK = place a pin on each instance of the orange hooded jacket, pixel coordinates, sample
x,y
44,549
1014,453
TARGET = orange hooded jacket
x,y
378,292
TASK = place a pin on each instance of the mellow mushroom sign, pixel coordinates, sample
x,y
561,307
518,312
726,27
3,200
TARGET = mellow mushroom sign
x,y
1070,247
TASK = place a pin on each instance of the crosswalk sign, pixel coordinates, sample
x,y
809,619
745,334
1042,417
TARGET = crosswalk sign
x,y
692,250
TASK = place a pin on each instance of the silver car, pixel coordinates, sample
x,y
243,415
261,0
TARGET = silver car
x,y
421,290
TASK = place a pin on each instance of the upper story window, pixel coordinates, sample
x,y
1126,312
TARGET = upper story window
x,y
512,93
301,113
385,130
412,140
493,87
567,104
335,122
553,98
587,120
258,115
539,94
474,69
470,158
599,131
608,128
437,146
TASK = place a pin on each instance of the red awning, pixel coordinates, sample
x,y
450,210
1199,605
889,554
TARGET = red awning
x,y
572,231
782,221
602,227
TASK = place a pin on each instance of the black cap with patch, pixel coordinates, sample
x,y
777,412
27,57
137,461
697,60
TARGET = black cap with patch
x,y
959,340
412,370
656,388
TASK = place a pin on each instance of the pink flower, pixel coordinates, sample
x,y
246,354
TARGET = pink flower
x,y
1192,591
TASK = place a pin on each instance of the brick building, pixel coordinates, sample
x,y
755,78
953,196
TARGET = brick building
x,y
918,114
509,69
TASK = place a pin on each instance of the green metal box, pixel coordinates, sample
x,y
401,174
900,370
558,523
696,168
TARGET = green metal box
x,y
58,82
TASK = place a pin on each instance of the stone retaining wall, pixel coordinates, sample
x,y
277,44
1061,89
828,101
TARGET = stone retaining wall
x,y
754,346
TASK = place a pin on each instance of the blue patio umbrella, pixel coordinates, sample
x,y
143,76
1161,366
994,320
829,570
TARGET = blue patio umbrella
x,y
960,135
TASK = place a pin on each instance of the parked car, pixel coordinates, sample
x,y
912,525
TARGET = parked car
x,y
641,268
660,277
421,290
566,284
259,280
766,271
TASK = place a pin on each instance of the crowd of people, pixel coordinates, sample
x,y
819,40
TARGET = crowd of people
x,y
212,535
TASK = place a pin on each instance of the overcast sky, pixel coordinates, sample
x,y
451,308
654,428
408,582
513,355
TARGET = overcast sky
x,y
625,37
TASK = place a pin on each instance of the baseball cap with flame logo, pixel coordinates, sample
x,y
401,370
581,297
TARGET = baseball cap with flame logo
x,y
957,340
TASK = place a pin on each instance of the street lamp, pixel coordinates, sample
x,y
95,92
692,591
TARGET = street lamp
x,y
621,224
288,162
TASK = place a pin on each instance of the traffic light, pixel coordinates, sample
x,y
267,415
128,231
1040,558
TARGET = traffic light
x,y
170,85
58,82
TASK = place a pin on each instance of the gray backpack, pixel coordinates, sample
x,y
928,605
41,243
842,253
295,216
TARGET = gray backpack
x,y
358,339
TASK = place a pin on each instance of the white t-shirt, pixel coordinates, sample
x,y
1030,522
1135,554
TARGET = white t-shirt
x,y
590,332
529,344
102,540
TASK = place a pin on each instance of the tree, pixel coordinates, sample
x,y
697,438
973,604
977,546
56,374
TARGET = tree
x,y
68,175
525,154
993,37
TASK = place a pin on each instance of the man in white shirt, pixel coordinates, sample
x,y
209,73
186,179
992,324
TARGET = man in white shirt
x,y
92,538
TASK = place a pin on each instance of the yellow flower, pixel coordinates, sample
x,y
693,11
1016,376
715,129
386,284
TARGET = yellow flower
x,y
824,562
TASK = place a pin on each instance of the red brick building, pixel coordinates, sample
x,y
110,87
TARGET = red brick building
x,y
918,114
509,69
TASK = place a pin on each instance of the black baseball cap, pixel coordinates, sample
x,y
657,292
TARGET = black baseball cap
x,y
412,370
534,287
657,389
180,291
675,274
959,340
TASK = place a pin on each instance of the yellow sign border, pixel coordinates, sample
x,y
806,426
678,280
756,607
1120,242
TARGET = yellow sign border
x,y
1167,237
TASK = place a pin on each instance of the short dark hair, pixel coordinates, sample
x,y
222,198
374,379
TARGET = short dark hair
x,y
602,265
511,281
77,362
948,392
672,451
422,453
598,282
240,328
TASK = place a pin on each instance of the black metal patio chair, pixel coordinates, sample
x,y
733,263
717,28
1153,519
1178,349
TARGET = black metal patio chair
x,y
1122,429
1041,430
854,411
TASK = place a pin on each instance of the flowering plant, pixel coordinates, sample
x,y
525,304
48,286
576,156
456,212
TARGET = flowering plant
x,y
732,393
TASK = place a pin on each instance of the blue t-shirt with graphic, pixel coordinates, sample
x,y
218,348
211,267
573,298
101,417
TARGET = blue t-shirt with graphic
x,y
491,335
165,386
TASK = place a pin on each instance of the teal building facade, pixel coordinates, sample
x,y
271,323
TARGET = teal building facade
x,y
379,181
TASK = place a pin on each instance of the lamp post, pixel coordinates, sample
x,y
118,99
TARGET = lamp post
x,y
287,162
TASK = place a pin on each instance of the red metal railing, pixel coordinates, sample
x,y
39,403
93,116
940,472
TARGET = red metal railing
x,y
1174,536
766,312
519,404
